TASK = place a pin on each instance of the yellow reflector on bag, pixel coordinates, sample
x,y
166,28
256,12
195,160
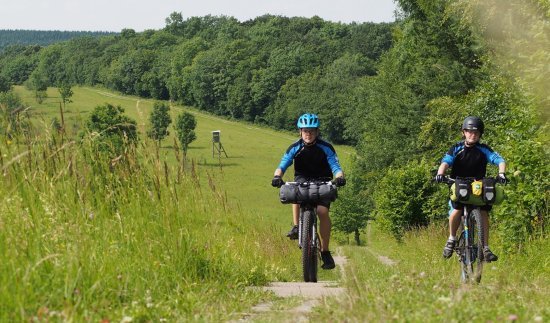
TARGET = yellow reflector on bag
x,y
477,188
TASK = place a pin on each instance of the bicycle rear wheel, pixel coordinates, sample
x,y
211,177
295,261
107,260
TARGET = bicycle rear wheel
x,y
309,248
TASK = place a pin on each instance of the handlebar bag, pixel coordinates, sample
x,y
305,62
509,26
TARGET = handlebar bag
x,y
289,194
292,194
478,200
327,192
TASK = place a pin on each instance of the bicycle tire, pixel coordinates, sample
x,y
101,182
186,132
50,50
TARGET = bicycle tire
x,y
478,270
309,248
460,250
471,257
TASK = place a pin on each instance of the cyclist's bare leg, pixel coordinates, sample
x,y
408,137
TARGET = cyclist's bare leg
x,y
295,213
485,226
454,221
324,226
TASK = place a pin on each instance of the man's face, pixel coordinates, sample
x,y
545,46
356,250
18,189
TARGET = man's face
x,y
309,134
471,136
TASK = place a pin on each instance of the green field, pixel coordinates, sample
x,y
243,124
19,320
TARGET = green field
x,y
253,152
224,212
80,241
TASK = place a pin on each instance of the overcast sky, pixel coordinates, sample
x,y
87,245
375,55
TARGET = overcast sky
x,y
114,15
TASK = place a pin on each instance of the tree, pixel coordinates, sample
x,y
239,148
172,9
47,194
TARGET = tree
x,y
10,106
40,96
4,84
113,129
66,93
185,128
350,215
38,82
174,23
160,120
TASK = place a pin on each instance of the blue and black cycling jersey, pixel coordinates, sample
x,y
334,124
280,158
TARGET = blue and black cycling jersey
x,y
314,161
470,161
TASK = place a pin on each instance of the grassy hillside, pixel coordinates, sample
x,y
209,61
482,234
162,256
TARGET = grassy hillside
x,y
84,241
79,241
253,152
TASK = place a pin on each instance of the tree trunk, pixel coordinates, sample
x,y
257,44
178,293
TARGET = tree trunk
x,y
357,240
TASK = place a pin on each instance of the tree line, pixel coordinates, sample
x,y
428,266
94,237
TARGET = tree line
x,y
12,37
244,70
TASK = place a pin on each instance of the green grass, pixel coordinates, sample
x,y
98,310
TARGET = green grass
x,y
422,286
148,238
153,239
245,176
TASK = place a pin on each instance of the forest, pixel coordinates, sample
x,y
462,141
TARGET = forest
x,y
397,92
11,37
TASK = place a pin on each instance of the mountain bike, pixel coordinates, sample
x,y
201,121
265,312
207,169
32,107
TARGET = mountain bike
x,y
308,195
469,247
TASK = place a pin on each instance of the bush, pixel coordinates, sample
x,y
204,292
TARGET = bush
x,y
110,129
400,198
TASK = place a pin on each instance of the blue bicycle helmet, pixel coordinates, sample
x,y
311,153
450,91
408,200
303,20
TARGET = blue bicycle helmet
x,y
308,120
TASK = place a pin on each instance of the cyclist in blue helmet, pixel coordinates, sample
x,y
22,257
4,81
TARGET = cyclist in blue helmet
x,y
314,159
469,158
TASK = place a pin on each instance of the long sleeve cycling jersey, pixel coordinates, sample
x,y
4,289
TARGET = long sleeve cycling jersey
x,y
311,161
470,161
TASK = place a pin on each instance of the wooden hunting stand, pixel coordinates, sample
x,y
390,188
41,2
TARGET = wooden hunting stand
x,y
217,144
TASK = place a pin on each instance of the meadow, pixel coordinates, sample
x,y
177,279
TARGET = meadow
x,y
162,238
155,237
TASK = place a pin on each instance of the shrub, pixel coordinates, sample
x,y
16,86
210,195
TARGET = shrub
x,y
110,129
400,198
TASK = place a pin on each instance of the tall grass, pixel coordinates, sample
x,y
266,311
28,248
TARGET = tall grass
x,y
423,287
86,237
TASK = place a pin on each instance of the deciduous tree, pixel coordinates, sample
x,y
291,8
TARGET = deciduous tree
x,y
185,129
160,120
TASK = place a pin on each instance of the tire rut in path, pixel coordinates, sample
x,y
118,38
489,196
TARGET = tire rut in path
x,y
383,259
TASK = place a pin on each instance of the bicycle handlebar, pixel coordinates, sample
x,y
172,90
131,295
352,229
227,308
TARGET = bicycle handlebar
x,y
449,180
310,182
446,180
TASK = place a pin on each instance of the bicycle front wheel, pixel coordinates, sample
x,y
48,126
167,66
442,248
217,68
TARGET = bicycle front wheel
x,y
464,257
471,250
309,248
478,244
